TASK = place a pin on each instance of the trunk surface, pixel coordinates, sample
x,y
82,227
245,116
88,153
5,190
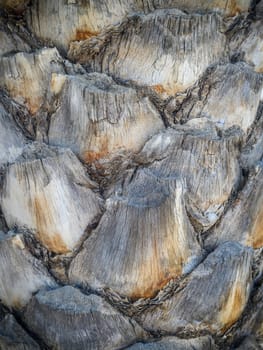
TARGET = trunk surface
x,y
131,174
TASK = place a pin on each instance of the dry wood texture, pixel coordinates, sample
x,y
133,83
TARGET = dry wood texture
x,y
12,140
204,158
223,280
79,321
166,50
98,118
131,174
13,336
21,274
143,240
172,343
40,193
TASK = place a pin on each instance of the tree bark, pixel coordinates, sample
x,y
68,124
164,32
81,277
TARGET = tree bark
x,y
131,174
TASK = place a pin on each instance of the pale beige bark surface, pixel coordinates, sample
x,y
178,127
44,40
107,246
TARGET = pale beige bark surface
x,y
131,181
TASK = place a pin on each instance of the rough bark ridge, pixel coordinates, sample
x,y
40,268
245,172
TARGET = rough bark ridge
x,y
131,174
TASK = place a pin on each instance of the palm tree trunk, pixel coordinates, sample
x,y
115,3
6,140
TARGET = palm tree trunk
x,y
131,174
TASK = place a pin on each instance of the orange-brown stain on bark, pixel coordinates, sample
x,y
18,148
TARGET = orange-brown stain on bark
x,y
28,90
159,88
152,290
169,89
102,150
233,306
53,242
233,8
33,104
157,271
92,156
82,34
257,231
45,226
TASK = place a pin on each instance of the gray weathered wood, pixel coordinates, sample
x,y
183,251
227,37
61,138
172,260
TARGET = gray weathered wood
x,y
48,191
214,297
26,76
252,152
73,20
227,7
12,140
259,9
243,222
145,188
65,21
14,337
173,343
97,118
249,343
10,39
166,50
257,331
205,159
67,319
219,97
252,46
143,240
21,274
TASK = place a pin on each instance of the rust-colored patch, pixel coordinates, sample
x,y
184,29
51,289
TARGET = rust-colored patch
x,y
257,232
92,156
53,242
102,151
159,88
233,306
152,290
45,226
169,89
32,105
27,89
155,273
233,8
82,34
